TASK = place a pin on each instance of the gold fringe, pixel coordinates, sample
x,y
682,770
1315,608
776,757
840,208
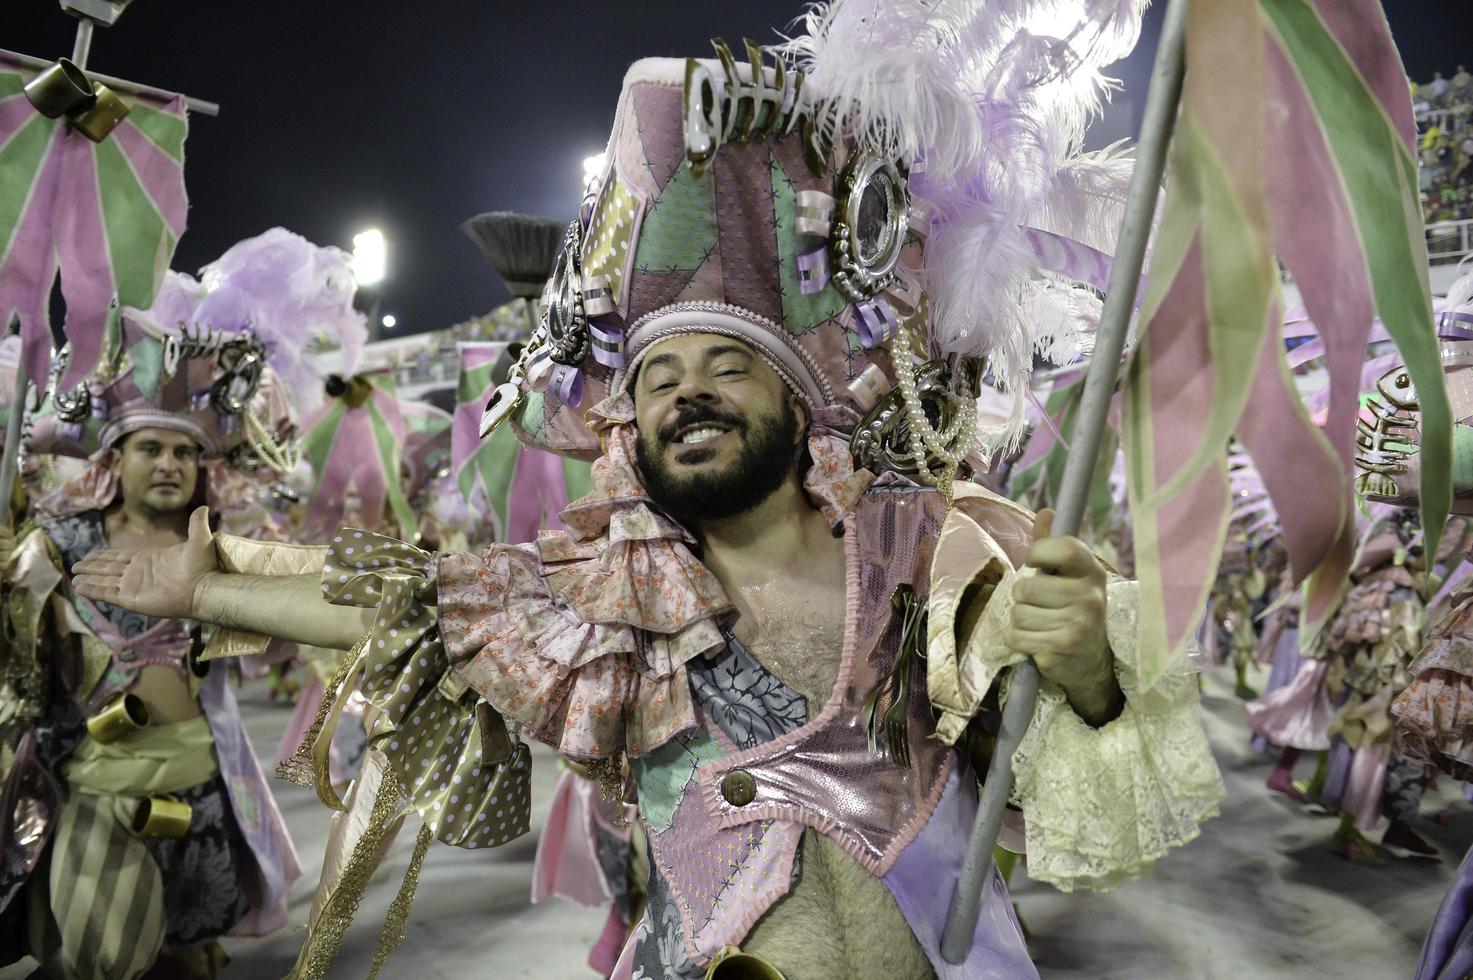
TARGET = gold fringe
x,y
397,918
24,664
609,773
326,937
298,767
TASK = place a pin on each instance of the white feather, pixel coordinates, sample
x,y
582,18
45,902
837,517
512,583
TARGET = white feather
x,y
990,100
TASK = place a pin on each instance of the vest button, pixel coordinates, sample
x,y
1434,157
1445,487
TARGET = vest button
x,y
739,787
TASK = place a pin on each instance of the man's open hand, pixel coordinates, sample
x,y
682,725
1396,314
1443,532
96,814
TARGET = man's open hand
x,y
158,582
1058,619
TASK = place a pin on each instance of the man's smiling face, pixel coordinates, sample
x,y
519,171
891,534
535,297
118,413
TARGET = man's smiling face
x,y
717,426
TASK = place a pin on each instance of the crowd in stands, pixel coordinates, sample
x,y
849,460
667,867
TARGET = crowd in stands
x,y
1445,121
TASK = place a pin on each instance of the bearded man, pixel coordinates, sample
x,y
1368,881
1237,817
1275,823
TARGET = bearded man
x,y
781,604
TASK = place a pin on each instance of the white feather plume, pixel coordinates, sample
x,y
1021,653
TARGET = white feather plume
x,y
989,99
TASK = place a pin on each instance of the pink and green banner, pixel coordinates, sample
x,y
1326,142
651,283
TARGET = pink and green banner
x,y
521,490
356,449
106,216
1293,147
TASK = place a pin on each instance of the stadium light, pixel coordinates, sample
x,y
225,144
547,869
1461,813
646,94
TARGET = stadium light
x,y
370,257
593,166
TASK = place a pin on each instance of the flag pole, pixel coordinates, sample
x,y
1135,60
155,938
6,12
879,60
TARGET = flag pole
x,y
9,463
199,107
1157,122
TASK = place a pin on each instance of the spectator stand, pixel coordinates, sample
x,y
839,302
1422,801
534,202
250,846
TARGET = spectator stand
x,y
1444,108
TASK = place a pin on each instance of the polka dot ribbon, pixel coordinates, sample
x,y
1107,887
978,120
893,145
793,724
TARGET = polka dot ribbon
x,y
470,783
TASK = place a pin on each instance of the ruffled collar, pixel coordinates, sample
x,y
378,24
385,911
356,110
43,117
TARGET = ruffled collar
x,y
625,561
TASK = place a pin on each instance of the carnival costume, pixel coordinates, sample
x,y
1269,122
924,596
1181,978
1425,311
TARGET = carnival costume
x,y
122,837
754,202
1240,586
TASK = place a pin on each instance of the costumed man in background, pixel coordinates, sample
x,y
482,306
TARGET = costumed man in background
x,y
1433,716
138,825
162,834
766,592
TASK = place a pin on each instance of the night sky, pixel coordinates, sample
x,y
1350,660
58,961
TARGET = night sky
x,y
338,115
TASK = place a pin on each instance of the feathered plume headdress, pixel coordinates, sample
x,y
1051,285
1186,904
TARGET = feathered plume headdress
x,y
989,101
282,289
899,196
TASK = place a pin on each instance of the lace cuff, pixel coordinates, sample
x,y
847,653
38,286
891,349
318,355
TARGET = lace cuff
x,y
1103,804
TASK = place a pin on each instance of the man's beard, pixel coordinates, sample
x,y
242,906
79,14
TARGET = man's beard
x,y
762,464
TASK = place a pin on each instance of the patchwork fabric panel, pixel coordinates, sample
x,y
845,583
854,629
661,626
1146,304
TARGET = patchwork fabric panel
x,y
663,775
800,313
679,232
742,698
706,879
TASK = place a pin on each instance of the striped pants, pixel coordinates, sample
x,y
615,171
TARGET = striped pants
x,y
105,903
97,911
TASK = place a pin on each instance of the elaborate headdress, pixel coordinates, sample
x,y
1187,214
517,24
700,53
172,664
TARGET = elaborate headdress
x,y
219,358
901,208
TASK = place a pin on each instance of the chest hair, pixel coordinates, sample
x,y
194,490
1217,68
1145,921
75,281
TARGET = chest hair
x,y
794,626
839,922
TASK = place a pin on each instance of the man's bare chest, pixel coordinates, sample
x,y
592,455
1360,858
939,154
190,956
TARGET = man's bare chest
x,y
795,629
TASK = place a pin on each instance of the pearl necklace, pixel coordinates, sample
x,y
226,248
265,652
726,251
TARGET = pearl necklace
x,y
960,433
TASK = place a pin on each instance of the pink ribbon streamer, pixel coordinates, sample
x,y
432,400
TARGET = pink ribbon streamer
x,y
537,494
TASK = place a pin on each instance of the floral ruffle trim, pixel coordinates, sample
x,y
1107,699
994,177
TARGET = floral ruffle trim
x,y
585,688
1434,715
1102,805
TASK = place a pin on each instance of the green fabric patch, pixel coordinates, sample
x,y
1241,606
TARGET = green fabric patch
x,y
578,477
662,775
164,129
495,462
679,231
318,441
11,83
474,384
20,162
388,451
531,418
148,366
1462,458
138,242
800,313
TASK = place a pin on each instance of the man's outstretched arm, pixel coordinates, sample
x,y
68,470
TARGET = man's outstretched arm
x,y
186,582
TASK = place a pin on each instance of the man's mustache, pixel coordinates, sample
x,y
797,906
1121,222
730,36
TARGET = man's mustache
x,y
697,415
